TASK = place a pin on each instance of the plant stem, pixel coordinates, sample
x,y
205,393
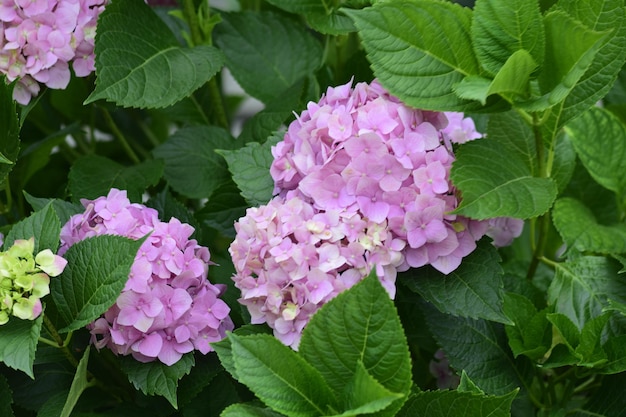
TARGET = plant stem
x,y
200,38
118,134
59,342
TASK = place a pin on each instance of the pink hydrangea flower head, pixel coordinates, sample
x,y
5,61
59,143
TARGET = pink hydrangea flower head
x,y
41,39
291,258
168,307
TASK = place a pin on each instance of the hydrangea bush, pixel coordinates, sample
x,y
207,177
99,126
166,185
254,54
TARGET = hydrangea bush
x,y
245,208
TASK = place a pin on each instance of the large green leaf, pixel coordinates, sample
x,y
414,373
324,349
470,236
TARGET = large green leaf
x,y
599,16
608,400
360,325
266,52
139,62
455,403
43,225
511,130
247,410
93,176
500,28
480,348
473,290
63,209
250,167
496,181
156,378
10,131
18,343
96,273
192,167
281,378
599,138
582,287
419,50
570,50
580,229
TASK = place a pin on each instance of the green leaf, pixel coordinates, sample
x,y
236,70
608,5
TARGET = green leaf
x,y
497,182
79,384
581,288
139,62
192,167
224,207
250,169
281,378
473,290
531,334
615,348
502,28
564,161
580,230
365,326
249,41
511,130
245,410
63,209
156,378
419,50
599,138
6,398
569,333
10,132
589,349
18,343
597,15
365,395
96,273
512,80
608,400
480,348
570,50
333,23
43,225
455,403
93,176
224,348
467,385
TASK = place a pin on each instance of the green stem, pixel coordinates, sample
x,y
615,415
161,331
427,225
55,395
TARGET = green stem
x,y
48,342
120,136
59,342
200,38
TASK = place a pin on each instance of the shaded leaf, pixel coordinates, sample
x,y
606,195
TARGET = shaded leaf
x,y
580,230
6,398
531,334
10,132
245,410
156,378
250,169
473,290
192,165
455,403
93,176
249,42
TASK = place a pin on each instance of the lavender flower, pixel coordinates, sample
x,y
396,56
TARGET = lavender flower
x,y
167,307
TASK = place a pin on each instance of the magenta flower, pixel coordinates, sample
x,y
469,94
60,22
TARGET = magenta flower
x,y
168,307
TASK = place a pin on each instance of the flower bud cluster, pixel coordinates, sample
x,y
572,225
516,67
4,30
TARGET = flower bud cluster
x,y
40,38
360,180
25,279
168,307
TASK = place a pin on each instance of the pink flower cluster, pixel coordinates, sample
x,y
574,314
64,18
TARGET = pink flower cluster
x,y
40,38
168,306
362,149
361,180
291,258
